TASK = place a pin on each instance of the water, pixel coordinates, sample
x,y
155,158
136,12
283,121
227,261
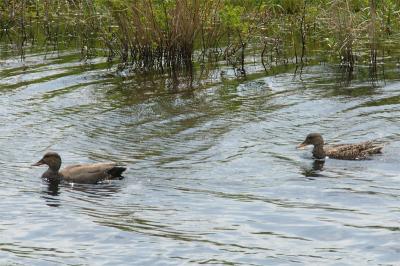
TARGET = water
x,y
214,176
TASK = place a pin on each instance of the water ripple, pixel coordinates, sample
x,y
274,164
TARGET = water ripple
x,y
213,175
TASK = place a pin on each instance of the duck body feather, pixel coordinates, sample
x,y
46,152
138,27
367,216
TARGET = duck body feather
x,y
79,173
91,173
356,151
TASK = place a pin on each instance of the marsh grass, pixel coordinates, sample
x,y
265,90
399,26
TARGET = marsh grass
x,y
169,35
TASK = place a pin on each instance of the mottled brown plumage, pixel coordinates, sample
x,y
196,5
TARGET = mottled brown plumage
x,y
356,151
80,173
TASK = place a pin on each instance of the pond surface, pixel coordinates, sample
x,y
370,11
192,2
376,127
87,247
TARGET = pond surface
x,y
214,176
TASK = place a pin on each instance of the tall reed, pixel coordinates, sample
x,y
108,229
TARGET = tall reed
x,y
166,34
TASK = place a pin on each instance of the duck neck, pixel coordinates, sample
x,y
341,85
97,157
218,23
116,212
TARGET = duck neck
x,y
55,165
51,174
318,151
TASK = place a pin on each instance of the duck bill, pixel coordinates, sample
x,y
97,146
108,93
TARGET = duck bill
x,y
302,146
41,162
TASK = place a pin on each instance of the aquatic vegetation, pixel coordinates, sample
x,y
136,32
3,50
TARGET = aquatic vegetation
x,y
167,35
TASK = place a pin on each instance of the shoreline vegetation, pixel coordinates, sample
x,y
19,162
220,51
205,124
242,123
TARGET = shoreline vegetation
x,y
171,35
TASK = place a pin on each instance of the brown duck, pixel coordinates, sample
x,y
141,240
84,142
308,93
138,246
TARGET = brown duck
x,y
79,173
356,151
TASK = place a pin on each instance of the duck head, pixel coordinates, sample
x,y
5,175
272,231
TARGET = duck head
x,y
52,159
318,142
312,139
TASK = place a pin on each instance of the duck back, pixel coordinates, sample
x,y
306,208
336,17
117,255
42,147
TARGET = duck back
x,y
358,151
92,173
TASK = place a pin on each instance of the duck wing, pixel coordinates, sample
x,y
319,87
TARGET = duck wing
x,y
353,151
91,173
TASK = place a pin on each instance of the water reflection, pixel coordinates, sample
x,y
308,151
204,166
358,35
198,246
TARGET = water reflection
x,y
53,187
51,193
100,190
315,169
52,190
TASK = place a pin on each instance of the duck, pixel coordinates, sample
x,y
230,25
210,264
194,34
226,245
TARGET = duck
x,y
355,151
79,173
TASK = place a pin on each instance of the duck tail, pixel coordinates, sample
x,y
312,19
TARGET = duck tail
x,y
117,171
375,149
